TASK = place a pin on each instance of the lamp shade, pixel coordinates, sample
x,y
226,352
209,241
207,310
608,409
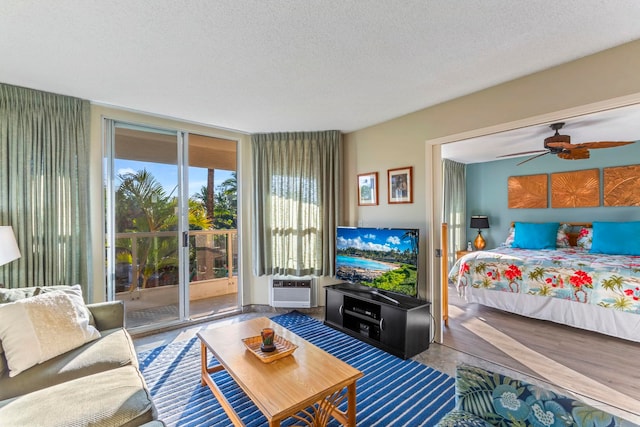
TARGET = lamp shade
x,y
8,246
479,221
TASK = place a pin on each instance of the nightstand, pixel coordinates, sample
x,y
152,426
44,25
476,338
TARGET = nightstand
x,y
460,254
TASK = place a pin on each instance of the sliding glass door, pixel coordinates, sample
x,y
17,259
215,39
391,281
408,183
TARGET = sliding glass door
x,y
213,229
171,224
145,223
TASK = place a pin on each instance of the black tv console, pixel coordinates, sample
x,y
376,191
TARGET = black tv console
x,y
395,323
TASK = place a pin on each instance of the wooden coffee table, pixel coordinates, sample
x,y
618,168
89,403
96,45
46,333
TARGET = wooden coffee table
x,y
309,380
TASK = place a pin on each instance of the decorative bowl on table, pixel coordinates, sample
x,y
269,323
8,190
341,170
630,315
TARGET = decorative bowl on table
x,y
283,348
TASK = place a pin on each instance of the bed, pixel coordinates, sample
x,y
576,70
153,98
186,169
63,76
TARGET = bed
x,y
569,284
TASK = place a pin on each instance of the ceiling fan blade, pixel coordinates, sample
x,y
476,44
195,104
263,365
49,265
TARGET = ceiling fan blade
x,y
575,154
534,157
521,153
560,145
602,144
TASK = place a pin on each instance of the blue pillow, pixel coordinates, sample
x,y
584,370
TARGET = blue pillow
x,y
532,235
616,238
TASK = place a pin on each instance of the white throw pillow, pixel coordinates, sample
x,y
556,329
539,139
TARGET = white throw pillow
x,y
36,329
67,289
3,362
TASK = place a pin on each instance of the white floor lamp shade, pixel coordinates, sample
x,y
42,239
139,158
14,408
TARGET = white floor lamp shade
x,y
8,247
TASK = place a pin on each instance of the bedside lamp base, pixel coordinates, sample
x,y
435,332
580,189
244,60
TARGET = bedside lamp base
x,y
479,242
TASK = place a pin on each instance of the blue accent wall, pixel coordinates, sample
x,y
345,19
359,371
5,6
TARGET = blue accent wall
x,y
487,191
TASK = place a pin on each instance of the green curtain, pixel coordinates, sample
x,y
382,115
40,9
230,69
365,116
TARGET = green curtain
x,y
44,160
454,178
296,179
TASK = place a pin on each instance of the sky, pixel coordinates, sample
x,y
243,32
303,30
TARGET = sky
x,y
167,175
376,239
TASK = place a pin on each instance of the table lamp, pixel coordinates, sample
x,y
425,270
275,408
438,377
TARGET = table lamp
x,y
8,247
479,222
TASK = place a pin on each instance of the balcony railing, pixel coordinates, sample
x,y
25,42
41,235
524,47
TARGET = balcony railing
x,y
150,259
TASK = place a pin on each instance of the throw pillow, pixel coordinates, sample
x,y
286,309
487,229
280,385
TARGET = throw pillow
x,y
512,234
15,294
36,329
562,239
6,296
616,238
530,235
3,361
585,237
68,289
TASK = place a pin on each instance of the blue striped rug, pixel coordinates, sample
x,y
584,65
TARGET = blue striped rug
x,y
393,392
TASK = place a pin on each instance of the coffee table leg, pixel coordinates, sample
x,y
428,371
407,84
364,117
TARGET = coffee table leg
x,y
206,379
203,363
328,407
351,404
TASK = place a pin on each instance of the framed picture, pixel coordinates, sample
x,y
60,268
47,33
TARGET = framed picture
x,y
368,189
400,185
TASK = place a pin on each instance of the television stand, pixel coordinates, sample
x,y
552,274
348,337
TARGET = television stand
x,y
378,294
399,325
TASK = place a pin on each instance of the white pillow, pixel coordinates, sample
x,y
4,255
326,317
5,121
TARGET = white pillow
x,y
67,289
36,329
3,362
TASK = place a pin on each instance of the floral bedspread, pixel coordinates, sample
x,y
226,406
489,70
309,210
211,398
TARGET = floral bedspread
x,y
572,274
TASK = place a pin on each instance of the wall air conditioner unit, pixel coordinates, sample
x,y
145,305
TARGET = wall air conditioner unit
x,y
292,293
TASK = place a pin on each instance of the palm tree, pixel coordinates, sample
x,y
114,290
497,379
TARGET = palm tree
x,y
148,209
225,207
613,283
209,201
144,206
537,273
198,219
545,290
230,186
145,201
412,236
480,268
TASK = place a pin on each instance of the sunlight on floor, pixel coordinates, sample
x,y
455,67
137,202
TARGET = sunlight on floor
x,y
455,311
549,369
186,332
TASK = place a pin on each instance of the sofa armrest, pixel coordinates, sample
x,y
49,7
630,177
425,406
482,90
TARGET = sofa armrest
x,y
108,315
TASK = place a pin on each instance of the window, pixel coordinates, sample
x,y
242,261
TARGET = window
x,y
296,187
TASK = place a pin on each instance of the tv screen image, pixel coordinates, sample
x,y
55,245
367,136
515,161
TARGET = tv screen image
x,y
381,258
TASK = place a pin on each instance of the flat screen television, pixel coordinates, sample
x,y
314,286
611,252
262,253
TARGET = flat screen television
x,y
381,258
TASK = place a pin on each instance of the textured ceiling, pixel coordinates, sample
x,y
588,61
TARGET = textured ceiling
x,y
278,65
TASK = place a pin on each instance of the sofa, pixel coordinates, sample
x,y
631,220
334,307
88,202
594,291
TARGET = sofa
x,y
97,383
485,398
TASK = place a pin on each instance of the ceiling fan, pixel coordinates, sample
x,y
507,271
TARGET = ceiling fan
x,y
561,146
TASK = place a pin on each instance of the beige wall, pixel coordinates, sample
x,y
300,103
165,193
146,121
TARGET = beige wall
x,y
604,80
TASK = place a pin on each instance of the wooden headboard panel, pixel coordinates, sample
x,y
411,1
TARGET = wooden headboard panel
x,y
574,231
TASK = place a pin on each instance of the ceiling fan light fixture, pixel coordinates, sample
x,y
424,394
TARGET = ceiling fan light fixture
x,y
564,139
575,154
